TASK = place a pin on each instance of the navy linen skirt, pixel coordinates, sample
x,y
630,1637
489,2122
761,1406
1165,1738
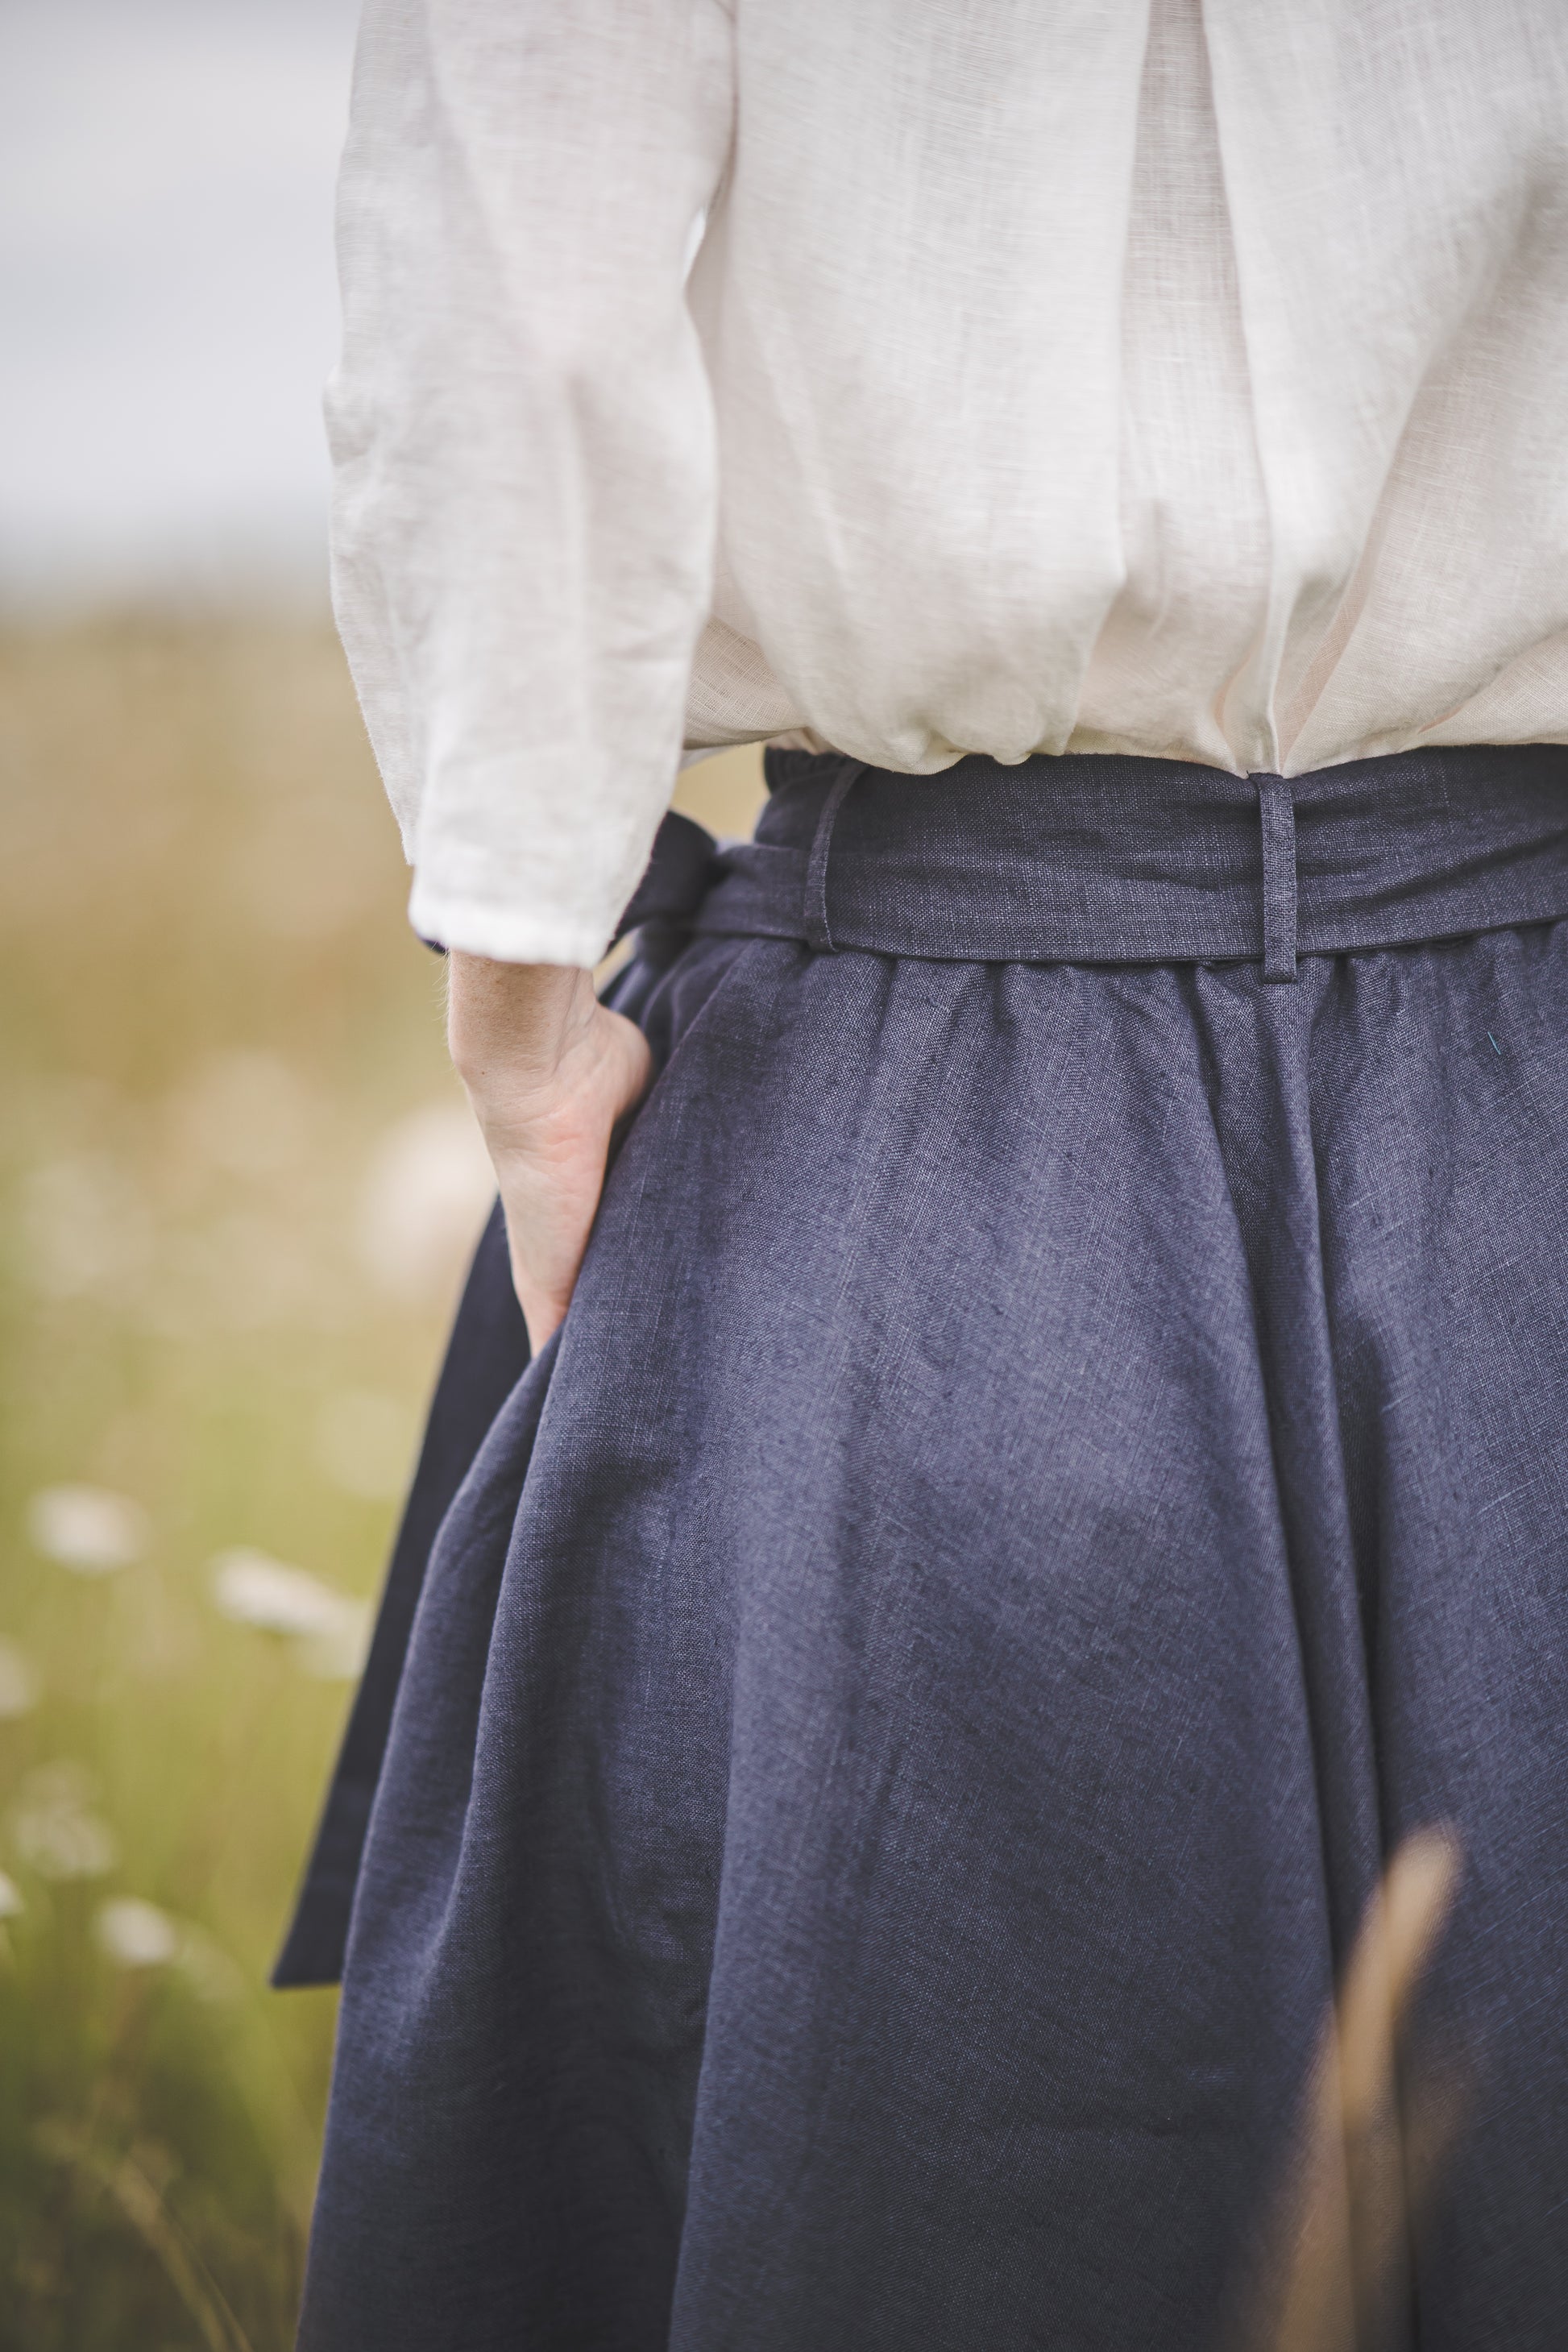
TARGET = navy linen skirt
x,y
1057,1462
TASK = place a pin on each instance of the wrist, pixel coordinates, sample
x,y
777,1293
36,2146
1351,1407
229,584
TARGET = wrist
x,y
511,1027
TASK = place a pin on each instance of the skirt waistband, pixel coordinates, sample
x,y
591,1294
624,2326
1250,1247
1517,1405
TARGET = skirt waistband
x,y
1092,859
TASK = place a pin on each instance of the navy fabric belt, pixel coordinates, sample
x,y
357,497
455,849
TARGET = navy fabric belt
x,y
1092,859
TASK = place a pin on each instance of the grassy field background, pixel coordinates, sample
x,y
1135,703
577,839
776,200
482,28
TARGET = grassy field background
x,y
238,1185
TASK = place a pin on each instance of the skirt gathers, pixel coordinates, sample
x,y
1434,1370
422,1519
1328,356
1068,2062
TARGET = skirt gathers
x,y
1057,1462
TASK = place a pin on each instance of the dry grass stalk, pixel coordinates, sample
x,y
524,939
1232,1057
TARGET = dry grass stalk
x,y
137,2194
1372,2143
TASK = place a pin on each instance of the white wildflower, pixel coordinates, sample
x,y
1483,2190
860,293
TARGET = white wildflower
x,y
84,1230
423,1201
206,1967
86,1528
136,1934
330,1629
18,1683
55,1828
256,1590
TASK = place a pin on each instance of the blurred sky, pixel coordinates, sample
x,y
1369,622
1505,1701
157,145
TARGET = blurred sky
x,y
167,295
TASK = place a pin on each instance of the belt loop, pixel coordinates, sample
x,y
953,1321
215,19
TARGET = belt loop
x,y
1276,811
814,911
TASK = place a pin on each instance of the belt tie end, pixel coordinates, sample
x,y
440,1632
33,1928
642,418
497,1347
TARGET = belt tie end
x,y
1276,811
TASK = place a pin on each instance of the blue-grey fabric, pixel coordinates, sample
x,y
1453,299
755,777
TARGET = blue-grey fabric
x,y
487,1358
1122,860
1052,1468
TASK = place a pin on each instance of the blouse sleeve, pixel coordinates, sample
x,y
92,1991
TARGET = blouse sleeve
x,y
522,443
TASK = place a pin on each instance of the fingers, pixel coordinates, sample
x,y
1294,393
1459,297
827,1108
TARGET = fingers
x,y
549,1071
550,1166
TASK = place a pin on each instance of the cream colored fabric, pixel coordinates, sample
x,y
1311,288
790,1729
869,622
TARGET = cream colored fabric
x,y
1051,375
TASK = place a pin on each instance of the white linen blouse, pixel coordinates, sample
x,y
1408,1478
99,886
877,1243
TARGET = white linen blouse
x,y
1035,376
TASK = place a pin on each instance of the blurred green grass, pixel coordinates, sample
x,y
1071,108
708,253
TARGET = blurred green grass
x,y
236,1186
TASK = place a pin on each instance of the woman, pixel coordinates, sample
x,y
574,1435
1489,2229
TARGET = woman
x,y
1053,1459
